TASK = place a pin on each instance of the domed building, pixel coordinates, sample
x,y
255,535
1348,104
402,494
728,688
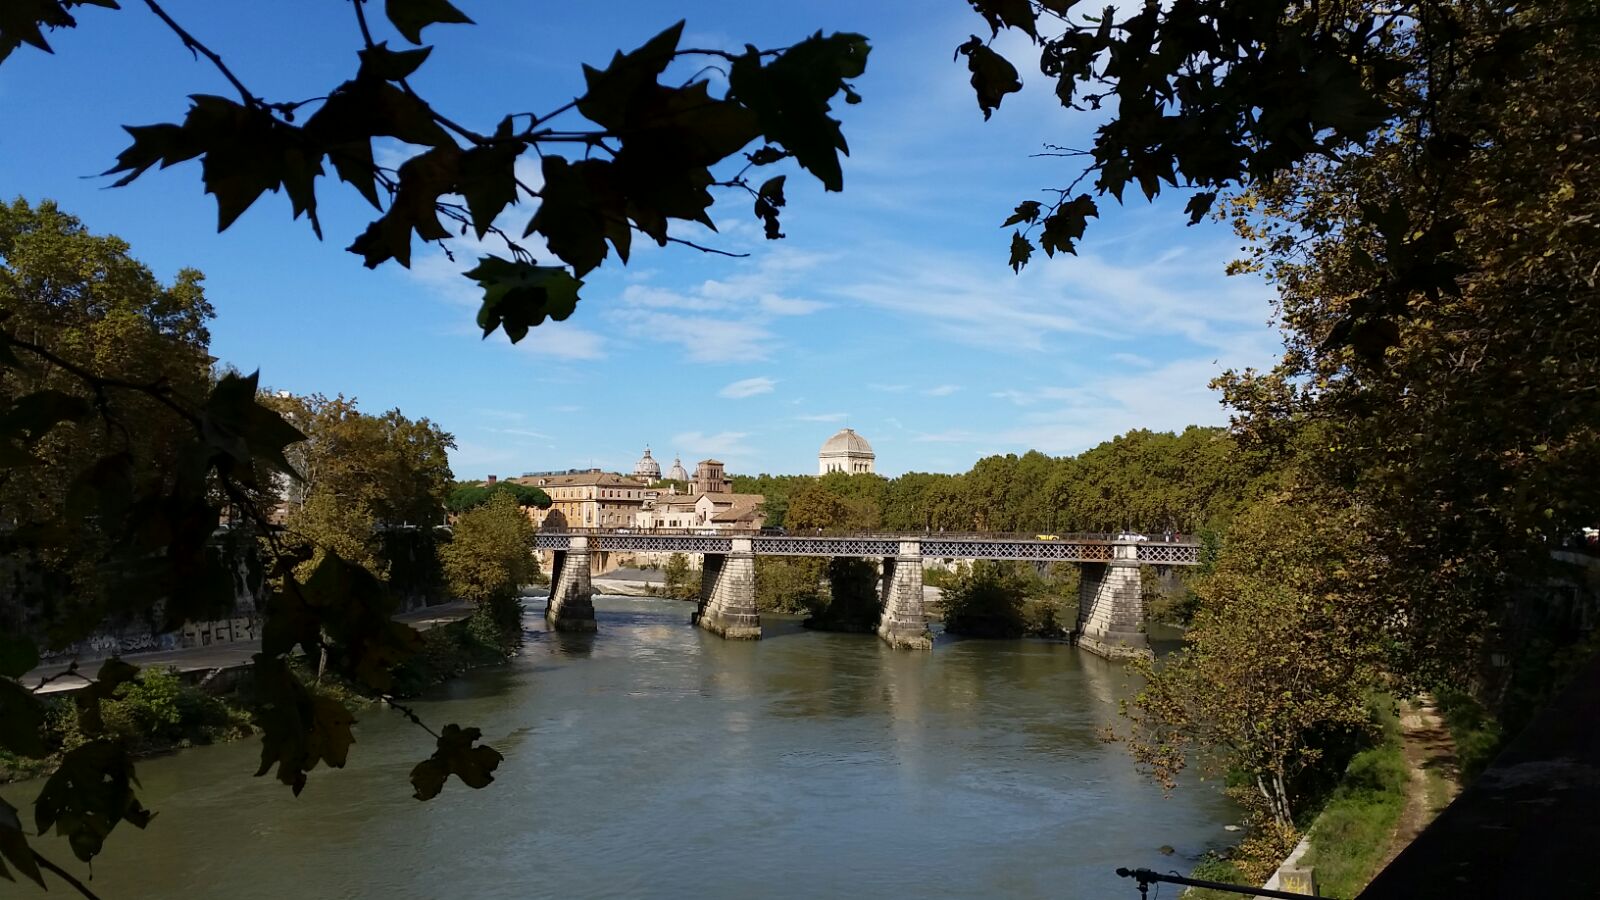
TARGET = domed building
x,y
845,452
647,469
677,472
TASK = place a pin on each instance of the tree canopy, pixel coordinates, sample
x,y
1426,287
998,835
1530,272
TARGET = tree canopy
x,y
472,494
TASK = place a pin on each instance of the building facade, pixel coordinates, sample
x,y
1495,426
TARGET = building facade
x,y
591,499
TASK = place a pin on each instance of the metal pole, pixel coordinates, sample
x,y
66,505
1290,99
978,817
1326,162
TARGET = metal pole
x,y
1145,876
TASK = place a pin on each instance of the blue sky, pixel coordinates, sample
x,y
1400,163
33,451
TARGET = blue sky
x,y
889,308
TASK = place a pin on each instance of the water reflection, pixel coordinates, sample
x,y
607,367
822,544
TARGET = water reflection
x,y
654,759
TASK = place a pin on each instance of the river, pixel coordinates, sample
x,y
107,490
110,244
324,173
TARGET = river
x,y
654,759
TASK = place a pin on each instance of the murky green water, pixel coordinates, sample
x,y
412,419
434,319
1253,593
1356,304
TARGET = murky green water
x,y
654,759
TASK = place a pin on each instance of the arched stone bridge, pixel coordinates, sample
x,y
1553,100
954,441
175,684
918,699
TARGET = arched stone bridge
x,y
1110,602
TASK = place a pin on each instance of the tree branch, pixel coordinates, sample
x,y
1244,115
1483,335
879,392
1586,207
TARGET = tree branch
x,y
64,875
704,249
97,383
199,49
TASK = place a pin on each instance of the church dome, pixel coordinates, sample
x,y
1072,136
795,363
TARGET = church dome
x,y
846,452
677,473
847,441
647,467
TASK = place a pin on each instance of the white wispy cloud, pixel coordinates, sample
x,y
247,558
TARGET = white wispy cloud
x,y
822,417
889,388
522,432
747,387
728,446
723,319
1030,396
789,306
1109,294
943,390
1167,398
706,339
563,340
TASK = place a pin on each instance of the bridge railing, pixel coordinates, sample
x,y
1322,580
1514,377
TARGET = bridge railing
x,y
711,531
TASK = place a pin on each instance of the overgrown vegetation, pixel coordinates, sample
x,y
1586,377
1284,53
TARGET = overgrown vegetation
x,y
851,603
789,585
1355,828
1000,599
1477,735
489,558
153,713
681,582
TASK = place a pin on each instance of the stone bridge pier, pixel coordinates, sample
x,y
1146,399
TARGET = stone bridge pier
x,y
571,604
904,622
728,593
1111,606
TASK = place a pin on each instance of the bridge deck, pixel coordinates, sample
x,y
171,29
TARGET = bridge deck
x,y
1074,549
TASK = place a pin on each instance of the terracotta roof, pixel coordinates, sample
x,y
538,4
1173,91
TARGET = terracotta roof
x,y
744,507
584,479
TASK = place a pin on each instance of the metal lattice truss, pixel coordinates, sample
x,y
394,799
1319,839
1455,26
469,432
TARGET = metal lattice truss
x,y
1170,554
979,548
965,547
826,546
664,543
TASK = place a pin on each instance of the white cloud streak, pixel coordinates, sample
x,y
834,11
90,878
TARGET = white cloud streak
x,y
747,387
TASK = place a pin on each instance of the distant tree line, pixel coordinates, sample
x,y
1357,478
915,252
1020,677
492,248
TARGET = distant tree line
x,y
1142,480
465,495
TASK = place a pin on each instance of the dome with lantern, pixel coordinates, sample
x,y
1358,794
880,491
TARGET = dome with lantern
x,y
846,452
677,472
647,468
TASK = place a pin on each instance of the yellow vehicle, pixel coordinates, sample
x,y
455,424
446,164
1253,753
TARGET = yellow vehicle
x,y
1048,537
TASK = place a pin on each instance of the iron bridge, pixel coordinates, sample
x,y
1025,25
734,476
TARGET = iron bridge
x,y
1044,549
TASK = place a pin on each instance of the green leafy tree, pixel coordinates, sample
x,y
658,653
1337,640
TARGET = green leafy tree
x,y
467,495
852,603
126,453
681,583
1280,655
1219,96
987,600
489,558
85,304
1464,411
361,476
789,584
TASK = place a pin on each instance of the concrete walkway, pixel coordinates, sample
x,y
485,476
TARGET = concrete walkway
x,y
217,656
